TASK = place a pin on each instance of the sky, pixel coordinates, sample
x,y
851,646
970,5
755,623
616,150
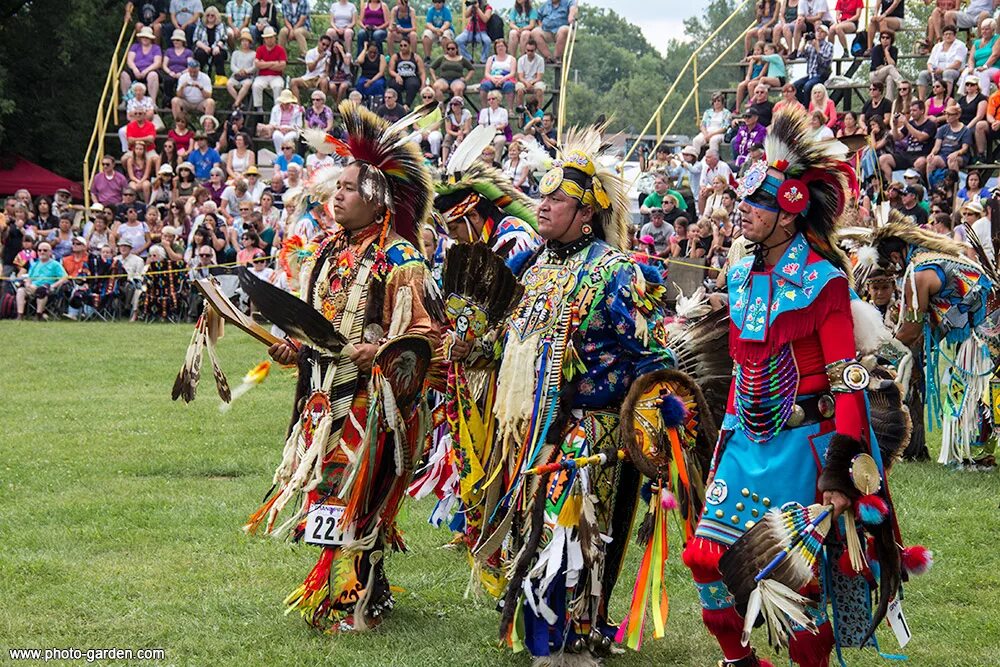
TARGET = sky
x,y
660,20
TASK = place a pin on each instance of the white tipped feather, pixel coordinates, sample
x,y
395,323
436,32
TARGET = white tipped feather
x,y
870,331
753,611
404,123
535,156
694,306
471,148
316,140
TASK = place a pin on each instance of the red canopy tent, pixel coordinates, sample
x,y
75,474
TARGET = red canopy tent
x,y
35,179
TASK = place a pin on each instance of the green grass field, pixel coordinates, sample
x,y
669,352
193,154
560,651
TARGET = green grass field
x,y
120,514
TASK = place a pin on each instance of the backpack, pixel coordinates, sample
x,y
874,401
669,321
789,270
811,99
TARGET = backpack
x,y
8,306
494,27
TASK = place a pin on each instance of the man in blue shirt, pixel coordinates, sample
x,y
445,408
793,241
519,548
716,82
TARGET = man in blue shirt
x,y
45,275
438,26
203,158
556,17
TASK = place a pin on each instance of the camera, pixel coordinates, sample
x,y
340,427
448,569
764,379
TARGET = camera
x,y
810,36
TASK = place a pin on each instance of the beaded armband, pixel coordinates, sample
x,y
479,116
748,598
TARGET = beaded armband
x,y
847,375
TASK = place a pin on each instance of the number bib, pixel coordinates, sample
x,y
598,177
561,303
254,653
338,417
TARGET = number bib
x,y
323,526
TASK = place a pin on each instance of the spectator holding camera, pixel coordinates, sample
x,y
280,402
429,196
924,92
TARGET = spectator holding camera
x,y
819,56
916,133
477,14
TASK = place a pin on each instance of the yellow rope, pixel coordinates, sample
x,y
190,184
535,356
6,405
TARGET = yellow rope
x,y
147,273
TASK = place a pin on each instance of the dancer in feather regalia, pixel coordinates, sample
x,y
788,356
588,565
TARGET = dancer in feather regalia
x,y
796,422
587,326
355,425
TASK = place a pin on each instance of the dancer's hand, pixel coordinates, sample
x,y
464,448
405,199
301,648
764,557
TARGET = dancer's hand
x,y
840,502
362,355
283,353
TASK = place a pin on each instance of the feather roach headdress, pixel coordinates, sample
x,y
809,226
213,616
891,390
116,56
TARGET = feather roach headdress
x,y
579,173
805,176
463,191
392,168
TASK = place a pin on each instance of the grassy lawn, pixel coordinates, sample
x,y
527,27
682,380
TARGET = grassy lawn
x,y
120,513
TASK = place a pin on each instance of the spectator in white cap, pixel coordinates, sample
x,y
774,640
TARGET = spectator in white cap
x,y
270,61
285,123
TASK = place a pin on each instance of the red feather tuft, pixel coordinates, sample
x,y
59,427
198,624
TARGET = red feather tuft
x,y
811,175
339,147
844,563
917,559
668,500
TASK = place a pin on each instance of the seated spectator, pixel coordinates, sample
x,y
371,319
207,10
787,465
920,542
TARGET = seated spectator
x,y
181,135
235,124
371,73
272,218
175,61
138,168
761,105
427,131
169,155
285,122
248,246
339,76
264,15
343,16
23,252
877,105
240,158
374,25
953,144
45,219
241,69
42,278
211,45
530,74
755,66
457,124
750,132
916,132
142,63
937,102
237,20
813,17
818,124
495,115
788,99
318,116
203,157
489,156
755,155
402,26
60,239
194,92
847,21
555,19
296,23
406,74
477,15
973,189
521,22
287,156
139,111
984,55
317,63
973,105
883,68
500,74
108,184
819,56
390,109
911,196
451,71
438,27
658,230
888,18
975,13
270,61
945,62
976,222
852,125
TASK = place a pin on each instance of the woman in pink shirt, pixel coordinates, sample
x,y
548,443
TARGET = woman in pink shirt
x,y
820,101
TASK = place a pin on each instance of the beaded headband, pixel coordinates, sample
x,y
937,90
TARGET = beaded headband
x,y
556,179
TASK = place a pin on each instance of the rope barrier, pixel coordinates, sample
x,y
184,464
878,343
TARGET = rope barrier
x,y
146,273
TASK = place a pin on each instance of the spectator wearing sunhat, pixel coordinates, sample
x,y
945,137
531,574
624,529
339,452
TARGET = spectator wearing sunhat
x,y
285,123
242,69
194,92
270,61
143,62
175,59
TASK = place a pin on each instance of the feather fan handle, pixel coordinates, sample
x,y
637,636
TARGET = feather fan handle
x,y
812,528
471,148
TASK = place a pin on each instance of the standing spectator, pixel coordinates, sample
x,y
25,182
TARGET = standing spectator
x,y
437,27
338,75
371,73
242,68
240,158
401,26
451,71
476,14
287,156
296,23
819,55
713,125
888,18
883,64
263,15
495,115
153,14
184,15
691,167
406,73
975,13
555,19
812,15
318,116
500,73
788,99
953,143
317,62
877,104
530,73
848,19
374,25
210,45
988,129
343,16
175,61
523,19
203,158
750,132
142,63
457,124
108,184
43,277
390,109
285,122
194,92
984,54
271,61
945,62
139,169
237,20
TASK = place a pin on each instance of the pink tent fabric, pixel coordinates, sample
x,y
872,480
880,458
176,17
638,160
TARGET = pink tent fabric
x,y
35,179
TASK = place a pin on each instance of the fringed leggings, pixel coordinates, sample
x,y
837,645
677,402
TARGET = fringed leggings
x,y
724,622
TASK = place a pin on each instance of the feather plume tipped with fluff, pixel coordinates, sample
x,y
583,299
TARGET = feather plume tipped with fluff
x,y
903,228
535,156
470,149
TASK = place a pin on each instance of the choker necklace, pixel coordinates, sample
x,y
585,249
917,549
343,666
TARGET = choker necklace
x,y
564,250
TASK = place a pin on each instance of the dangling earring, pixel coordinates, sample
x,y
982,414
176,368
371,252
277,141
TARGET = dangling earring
x,y
587,229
